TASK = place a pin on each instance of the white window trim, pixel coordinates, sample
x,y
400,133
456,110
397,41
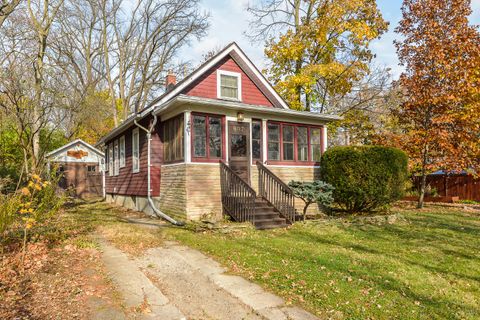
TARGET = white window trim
x,y
122,154
110,159
239,81
116,159
135,132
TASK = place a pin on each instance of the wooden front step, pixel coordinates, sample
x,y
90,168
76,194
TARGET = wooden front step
x,y
266,217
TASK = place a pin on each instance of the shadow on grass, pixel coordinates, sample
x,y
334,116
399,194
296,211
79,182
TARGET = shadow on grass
x,y
375,273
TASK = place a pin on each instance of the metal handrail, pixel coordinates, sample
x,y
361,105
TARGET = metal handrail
x,y
238,197
276,192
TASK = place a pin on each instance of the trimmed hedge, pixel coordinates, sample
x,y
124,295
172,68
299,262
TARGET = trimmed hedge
x,y
365,178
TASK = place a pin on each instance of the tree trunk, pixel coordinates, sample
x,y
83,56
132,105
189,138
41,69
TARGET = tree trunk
x,y
37,107
298,63
305,210
7,9
107,65
423,182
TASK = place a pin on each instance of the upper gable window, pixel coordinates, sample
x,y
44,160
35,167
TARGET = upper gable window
x,y
229,85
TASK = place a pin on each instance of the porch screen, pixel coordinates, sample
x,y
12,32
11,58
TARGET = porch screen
x,y
302,144
207,137
256,140
273,141
294,143
173,142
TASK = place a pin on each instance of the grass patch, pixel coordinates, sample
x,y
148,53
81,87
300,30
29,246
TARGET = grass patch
x,y
425,266
83,219
130,238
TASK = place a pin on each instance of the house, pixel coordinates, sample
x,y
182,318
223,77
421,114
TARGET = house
x,y
221,140
80,166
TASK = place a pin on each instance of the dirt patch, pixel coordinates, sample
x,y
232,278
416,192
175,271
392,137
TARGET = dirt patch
x,y
54,283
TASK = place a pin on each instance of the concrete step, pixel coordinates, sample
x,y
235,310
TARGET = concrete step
x,y
266,215
272,226
265,209
267,222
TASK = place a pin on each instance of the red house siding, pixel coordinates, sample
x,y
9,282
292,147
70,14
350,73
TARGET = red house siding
x,y
129,183
206,85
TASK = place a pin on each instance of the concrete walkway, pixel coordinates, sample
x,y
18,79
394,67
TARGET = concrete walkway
x,y
177,282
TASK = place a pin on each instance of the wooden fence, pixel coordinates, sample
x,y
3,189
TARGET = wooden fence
x,y
466,187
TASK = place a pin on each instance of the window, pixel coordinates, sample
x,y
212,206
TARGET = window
x,y
116,161
288,141
302,143
122,151
91,168
273,141
256,140
110,160
135,150
294,143
106,159
229,85
173,139
207,137
315,144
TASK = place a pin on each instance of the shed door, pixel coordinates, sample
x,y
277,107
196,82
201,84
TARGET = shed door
x,y
239,149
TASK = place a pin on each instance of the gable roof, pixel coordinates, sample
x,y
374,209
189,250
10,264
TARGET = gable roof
x,y
73,143
167,99
244,63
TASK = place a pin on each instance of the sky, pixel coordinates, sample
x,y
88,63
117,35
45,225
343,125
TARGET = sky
x,y
229,21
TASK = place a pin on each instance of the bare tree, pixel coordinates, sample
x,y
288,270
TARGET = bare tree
x,y
42,14
270,17
77,50
6,8
145,44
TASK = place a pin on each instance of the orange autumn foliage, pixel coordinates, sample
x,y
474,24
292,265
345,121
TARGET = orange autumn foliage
x,y
441,84
440,116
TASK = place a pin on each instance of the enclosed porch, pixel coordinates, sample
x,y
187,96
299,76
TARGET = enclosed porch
x,y
237,162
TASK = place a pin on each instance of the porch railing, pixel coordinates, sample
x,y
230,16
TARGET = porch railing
x,y
238,198
276,192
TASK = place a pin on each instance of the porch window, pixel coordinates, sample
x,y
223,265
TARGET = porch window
x,y
288,141
173,139
315,144
294,143
135,150
256,140
302,143
122,151
273,141
207,137
229,85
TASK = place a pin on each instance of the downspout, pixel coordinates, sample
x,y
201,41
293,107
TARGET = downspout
x,y
157,212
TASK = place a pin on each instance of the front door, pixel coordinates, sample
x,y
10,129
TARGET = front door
x,y
239,148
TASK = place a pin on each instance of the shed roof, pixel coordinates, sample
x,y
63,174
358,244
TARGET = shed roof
x,y
73,143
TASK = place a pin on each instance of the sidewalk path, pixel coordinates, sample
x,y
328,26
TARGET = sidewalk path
x,y
177,282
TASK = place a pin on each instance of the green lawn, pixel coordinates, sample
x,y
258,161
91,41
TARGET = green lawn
x,y
424,266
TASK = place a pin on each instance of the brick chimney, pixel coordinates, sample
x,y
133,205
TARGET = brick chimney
x,y
170,81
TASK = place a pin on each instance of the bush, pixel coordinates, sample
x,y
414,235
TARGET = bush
x,y
32,206
365,178
9,206
312,192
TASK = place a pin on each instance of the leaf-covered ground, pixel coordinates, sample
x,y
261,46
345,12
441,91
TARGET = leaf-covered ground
x,y
423,264
61,275
415,264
